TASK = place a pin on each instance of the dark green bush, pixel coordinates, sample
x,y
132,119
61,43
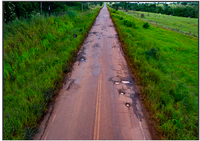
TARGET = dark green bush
x,y
142,15
119,17
146,25
152,52
72,14
129,23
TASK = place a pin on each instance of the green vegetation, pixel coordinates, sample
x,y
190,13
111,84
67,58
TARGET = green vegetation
x,y
37,53
21,10
186,9
166,65
181,24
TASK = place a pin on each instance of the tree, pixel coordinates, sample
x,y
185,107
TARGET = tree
x,y
184,3
41,7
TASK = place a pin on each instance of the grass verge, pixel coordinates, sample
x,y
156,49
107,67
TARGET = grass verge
x,y
166,65
37,52
180,24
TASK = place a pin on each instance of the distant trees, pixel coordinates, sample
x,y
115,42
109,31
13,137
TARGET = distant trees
x,y
184,9
19,10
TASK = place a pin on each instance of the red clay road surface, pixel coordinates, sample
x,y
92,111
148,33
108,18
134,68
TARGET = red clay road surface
x,y
92,102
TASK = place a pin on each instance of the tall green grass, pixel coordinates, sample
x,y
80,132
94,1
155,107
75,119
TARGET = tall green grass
x,y
166,65
180,24
36,54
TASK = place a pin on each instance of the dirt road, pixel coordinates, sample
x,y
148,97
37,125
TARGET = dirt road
x,y
92,103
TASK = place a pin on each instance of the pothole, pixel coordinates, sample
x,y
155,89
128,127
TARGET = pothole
x,y
119,79
121,92
81,59
117,82
127,104
110,25
96,45
125,82
96,69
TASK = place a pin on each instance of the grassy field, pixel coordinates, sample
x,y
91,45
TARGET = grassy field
x,y
37,53
165,63
180,24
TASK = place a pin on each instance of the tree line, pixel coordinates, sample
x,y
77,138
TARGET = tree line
x,y
20,10
184,9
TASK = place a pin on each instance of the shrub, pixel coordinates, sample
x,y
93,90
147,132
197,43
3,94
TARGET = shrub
x,y
119,17
142,15
129,23
146,25
72,14
152,52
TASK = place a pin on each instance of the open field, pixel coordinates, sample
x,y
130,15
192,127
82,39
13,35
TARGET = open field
x,y
37,53
166,65
180,24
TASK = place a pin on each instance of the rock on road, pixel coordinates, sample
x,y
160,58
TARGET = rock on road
x,y
94,100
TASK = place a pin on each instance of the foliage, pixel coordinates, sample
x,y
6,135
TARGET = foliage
x,y
21,10
72,14
186,9
152,52
166,65
146,25
129,23
37,52
142,15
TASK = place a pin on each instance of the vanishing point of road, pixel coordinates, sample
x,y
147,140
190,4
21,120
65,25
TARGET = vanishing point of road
x,y
99,99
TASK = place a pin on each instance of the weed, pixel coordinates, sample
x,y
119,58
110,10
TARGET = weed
x,y
128,23
142,15
72,14
152,52
146,25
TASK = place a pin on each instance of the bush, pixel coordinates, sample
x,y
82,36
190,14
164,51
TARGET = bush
x,y
119,17
72,14
129,23
152,52
113,11
146,25
142,15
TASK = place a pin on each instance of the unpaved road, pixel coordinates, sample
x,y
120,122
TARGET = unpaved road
x,y
92,102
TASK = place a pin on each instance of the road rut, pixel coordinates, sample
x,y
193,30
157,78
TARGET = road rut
x,y
99,99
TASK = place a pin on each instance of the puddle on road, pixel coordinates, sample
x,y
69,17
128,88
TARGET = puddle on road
x,y
125,82
127,104
96,69
82,59
119,79
122,91
117,82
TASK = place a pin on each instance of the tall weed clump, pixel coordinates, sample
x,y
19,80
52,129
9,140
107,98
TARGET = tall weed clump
x,y
36,54
166,65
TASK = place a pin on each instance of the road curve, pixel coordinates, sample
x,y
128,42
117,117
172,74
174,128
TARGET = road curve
x,y
92,103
